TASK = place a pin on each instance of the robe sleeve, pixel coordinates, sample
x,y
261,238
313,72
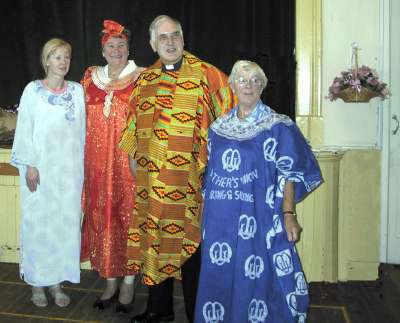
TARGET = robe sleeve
x,y
294,160
220,92
24,151
220,101
87,77
128,142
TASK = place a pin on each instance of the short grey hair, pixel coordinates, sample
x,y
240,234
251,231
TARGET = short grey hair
x,y
157,20
247,66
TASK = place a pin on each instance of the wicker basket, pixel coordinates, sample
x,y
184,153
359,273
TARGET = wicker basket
x,y
352,95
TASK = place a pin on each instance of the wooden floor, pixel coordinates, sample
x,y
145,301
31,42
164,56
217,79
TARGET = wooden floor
x,y
351,302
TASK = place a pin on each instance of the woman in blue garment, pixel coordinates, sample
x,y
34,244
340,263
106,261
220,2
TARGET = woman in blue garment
x,y
259,167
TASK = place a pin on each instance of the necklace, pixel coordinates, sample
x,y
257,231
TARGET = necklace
x,y
115,74
55,88
243,114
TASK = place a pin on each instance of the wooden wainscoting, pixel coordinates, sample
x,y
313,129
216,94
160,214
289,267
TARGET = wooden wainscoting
x,y
332,243
9,209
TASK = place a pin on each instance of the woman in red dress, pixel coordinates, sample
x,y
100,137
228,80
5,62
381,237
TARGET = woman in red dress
x,y
108,197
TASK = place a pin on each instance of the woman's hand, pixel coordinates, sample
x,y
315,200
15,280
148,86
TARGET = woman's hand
x,y
132,166
32,178
292,227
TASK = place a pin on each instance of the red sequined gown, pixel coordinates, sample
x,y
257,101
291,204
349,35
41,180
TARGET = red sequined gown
x,y
108,193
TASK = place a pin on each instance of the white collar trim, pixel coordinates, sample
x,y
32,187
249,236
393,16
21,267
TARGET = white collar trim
x,y
102,72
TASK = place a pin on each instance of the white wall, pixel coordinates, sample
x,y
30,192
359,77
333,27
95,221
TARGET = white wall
x,y
375,26
394,72
390,215
353,125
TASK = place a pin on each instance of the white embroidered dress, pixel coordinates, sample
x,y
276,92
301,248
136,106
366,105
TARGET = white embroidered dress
x,y
50,136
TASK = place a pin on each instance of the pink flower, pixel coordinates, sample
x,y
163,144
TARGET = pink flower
x,y
364,71
372,81
357,79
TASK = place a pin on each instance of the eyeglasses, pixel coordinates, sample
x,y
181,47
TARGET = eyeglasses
x,y
254,81
173,36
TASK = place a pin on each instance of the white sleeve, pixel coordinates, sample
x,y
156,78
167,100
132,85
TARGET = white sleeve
x,y
23,150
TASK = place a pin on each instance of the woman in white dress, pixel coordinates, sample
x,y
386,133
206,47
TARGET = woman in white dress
x,y
48,151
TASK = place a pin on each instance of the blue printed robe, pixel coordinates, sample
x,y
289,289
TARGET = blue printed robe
x,y
250,271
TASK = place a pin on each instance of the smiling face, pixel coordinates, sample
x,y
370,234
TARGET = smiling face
x,y
168,42
58,62
115,51
247,86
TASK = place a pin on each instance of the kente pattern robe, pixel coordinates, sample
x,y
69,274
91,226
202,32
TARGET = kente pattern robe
x,y
166,135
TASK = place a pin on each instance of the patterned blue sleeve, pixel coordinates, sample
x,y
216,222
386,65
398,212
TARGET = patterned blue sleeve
x,y
294,159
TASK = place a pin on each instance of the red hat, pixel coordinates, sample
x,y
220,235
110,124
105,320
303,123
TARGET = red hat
x,y
113,29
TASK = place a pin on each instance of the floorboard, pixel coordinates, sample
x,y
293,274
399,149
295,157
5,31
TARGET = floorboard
x,y
350,302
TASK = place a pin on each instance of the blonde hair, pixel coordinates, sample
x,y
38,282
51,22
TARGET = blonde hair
x,y
247,66
50,47
157,20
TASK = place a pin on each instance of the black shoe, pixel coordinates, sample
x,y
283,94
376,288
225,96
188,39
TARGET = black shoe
x,y
124,308
102,304
150,317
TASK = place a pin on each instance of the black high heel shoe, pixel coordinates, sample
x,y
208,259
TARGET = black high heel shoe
x,y
150,317
102,304
124,308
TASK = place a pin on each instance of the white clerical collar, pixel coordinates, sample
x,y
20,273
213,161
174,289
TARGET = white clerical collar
x,y
172,67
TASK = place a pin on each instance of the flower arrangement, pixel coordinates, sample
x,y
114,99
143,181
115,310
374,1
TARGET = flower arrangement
x,y
358,85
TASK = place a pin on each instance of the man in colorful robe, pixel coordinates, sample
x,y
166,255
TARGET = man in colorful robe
x,y
173,103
